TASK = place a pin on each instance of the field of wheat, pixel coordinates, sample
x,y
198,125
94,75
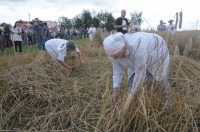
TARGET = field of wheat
x,y
37,94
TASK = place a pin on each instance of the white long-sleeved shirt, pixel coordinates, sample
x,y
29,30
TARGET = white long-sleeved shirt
x,y
91,31
146,51
171,28
16,36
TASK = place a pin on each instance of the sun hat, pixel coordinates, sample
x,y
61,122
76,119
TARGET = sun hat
x,y
113,43
171,20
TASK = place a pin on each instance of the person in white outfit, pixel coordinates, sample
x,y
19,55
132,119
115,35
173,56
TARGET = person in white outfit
x,y
171,31
144,54
171,27
59,48
16,36
91,31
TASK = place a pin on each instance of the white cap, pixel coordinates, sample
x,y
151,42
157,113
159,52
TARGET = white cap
x,y
113,43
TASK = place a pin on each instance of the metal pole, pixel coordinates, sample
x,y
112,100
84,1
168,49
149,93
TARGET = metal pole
x,y
29,16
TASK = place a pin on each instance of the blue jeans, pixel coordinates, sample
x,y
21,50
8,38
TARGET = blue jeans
x,y
44,39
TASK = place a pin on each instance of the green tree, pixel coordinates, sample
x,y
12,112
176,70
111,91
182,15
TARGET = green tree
x,y
95,21
87,18
108,18
65,22
103,15
110,22
78,22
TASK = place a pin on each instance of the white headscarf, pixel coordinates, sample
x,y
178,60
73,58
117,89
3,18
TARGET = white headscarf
x,y
114,43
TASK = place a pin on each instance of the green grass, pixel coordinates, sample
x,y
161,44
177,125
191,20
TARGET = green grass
x,y
25,49
83,41
28,49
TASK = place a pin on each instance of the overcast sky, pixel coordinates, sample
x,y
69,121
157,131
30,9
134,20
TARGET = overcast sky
x,y
153,10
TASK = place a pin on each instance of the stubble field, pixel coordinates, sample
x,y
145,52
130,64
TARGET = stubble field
x,y
37,94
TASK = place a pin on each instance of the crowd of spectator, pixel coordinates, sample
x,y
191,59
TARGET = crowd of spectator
x,y
36,32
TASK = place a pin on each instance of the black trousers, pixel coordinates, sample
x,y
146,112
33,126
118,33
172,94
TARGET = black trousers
x,y
18,44
1,44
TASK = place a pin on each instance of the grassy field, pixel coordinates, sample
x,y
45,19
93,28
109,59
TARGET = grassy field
x,y
37,94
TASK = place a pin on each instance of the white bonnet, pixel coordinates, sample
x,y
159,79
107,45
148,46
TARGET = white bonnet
x,y
113,43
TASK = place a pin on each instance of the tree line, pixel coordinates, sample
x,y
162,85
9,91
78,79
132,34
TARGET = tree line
x,y
86,18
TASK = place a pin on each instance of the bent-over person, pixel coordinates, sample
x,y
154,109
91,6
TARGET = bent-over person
x,y
59,48
144,54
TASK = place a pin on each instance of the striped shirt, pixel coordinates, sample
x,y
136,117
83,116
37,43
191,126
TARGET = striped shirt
x,y
145,51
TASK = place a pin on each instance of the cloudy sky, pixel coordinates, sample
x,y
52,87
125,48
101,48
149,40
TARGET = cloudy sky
x,y
153,10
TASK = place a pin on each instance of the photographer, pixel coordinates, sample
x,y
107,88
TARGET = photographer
x,y
44,35
37,25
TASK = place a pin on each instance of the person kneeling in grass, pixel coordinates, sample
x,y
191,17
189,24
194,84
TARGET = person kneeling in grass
x,y
59,48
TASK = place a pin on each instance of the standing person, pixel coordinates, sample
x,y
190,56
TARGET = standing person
x,y
62,32
1,38
121,23
59,48
24,35
36,23
16,37
162,26
171,31
44,35
144,54
171,27
92,31
7,35
30,33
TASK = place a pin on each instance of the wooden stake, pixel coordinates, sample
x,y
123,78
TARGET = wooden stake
x,y
176,20
13,44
